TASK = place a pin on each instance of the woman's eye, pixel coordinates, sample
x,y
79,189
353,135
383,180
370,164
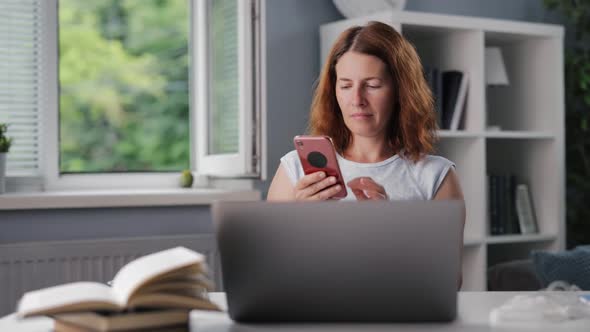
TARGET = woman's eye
x,y
345,87
374,86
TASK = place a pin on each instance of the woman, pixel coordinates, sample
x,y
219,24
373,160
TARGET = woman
x,y
373,101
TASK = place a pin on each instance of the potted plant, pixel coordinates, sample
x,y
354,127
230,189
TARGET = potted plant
x,y
4,148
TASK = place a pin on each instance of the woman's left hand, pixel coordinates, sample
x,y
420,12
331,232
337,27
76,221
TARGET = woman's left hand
x,y
365,188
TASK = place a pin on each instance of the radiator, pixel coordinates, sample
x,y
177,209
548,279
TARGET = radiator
x,y
29,266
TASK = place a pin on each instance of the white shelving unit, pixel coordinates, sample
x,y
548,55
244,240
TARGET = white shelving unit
x,y
530,113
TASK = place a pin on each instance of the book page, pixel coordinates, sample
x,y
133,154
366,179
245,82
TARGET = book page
x,y
199,269
189,275
173,286
66,298
146,268
169,300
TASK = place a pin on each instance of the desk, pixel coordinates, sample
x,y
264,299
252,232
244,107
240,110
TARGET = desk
x,y
474,309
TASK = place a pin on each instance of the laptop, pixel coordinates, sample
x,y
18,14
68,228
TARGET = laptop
x,y
381,261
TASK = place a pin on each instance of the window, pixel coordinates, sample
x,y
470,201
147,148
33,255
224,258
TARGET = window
x,y
124,86
133,91
229,76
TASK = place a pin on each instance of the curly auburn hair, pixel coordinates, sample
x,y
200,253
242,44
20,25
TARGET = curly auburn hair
x,y
412,127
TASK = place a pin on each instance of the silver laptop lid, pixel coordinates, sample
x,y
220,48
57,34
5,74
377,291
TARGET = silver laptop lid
x,y
340,261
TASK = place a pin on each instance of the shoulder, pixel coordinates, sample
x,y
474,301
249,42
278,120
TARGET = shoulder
x,y
429,172
430,163
291,160
290,157
292,165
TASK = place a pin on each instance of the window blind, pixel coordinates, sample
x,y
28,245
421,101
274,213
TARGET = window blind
x,y
224,115
19,82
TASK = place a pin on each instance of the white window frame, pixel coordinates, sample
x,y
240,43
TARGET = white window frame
x,y
249,163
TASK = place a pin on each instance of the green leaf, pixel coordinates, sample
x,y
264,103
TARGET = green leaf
x,y
550,4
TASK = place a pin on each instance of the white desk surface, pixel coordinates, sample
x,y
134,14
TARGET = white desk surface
x,y
473,315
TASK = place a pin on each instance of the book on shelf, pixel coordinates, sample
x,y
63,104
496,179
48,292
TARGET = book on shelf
x,y
511,217
454,88
144,320
525,210
434,79
502,204
492,205
175,278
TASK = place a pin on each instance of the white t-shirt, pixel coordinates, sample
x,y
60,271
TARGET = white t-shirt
x,y
402,179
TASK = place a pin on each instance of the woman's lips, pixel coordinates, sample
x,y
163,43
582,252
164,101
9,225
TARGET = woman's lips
x,y
361,115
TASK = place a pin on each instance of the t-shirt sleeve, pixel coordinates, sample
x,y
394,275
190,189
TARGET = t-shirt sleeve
x,y
292,166
430,173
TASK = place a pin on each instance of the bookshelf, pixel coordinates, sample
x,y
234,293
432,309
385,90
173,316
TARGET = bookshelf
x,y
529,112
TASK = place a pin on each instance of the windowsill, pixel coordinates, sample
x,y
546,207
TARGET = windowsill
x,y
121,198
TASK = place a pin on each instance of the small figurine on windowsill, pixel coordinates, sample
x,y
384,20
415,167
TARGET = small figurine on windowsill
x,y
186,179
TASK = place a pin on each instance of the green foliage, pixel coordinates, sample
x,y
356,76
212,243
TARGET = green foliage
x,y
5,141
577,83
123,71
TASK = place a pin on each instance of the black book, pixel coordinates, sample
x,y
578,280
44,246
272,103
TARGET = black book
x,y
451,83
493,204
434,79
513,214
508,211
428,76
438,95
501,203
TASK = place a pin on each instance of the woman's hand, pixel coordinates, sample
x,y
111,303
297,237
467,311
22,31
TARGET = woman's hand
x,y
316,187
364,188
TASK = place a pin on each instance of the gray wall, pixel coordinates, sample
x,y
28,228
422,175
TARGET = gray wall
x,y
293,66
520,10
81,224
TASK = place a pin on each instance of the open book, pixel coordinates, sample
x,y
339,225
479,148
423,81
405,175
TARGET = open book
x,y
173,278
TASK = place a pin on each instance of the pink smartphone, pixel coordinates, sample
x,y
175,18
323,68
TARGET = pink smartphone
x,y
317,153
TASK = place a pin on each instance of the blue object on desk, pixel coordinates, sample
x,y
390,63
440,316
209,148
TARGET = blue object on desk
x,y
571,266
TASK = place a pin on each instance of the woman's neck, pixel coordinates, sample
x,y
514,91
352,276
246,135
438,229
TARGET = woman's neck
x,y
368,150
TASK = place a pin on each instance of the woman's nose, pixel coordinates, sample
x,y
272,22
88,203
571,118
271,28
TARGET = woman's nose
x,y
358,97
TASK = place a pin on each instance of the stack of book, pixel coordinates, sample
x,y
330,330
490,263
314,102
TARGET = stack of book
x,y
449,90
510,206
501,205
153,293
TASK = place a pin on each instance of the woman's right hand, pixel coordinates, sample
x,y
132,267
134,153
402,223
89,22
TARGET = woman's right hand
x,y
316,187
